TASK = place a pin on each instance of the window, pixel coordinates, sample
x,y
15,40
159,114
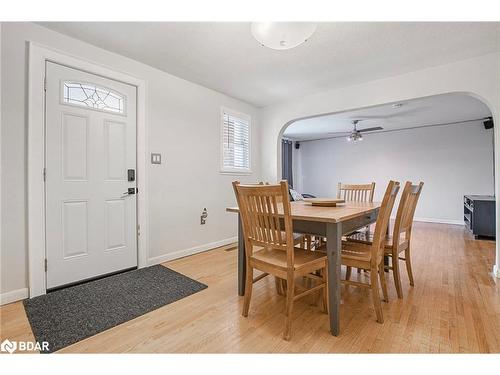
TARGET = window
x,y
92,96
235,142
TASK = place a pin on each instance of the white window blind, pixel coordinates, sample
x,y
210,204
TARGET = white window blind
x,y
235,142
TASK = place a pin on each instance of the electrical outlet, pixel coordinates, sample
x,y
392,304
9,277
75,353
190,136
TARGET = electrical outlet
x,y
203,217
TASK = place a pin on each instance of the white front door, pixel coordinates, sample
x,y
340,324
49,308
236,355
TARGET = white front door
x,y
90,143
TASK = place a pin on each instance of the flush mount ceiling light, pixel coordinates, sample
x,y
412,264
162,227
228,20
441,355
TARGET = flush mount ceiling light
x,y
282,35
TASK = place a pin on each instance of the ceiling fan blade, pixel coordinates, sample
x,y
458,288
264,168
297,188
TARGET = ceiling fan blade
x,y
339,133
371,129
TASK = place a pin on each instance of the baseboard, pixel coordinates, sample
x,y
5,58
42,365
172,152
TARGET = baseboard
x,y
496,271
191,251
439,221
13,296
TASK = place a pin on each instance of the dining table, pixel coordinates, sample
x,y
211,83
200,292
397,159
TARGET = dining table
x,y
329,222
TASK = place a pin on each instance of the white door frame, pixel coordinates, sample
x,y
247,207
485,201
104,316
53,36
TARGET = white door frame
x,y
38,55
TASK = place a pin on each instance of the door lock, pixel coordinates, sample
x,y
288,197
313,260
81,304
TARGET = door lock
x,y
130,191
131,175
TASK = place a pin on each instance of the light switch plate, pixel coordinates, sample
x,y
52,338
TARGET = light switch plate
x,y
155,158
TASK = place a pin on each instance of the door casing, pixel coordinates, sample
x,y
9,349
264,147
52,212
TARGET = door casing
x,y
38,55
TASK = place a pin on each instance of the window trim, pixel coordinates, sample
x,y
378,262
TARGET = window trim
x,y
235,171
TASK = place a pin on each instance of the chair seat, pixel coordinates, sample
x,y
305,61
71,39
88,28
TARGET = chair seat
x,y
277,258
367,238
356,251
352,251
297,238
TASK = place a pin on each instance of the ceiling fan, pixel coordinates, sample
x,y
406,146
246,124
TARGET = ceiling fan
x,y
355,135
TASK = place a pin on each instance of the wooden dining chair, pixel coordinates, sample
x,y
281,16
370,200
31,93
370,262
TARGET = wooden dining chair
x,y
356,192
299,239
400,240
371,256
269,245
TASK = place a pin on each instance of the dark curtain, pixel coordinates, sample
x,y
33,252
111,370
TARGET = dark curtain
x,y
286,161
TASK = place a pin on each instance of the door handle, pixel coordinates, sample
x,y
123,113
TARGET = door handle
x,y
130,191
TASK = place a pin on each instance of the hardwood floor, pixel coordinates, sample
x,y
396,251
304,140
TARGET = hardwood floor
x,y
453,308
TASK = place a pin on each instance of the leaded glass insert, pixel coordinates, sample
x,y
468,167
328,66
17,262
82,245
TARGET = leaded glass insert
x,y
92,96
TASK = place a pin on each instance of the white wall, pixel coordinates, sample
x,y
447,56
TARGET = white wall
x,y
451,160
478,76
183,125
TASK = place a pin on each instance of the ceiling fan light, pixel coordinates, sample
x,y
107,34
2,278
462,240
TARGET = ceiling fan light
x,y
282,35
354,137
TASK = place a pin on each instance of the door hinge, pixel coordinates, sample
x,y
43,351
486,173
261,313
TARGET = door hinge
x,y
45,264
44,83
138,230
44,172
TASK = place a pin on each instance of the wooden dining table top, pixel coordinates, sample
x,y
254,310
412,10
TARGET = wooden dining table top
x,y
305,211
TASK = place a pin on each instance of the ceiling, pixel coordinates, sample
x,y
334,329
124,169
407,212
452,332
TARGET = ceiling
x,y
440,109
225,57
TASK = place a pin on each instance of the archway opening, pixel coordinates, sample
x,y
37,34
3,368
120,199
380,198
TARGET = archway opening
x,y
446,141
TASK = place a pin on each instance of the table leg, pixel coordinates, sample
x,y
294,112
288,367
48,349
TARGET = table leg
x,y
241,259
333,250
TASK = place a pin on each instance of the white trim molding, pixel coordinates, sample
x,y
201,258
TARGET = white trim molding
x,y
13,296
438,221
191,251
496,271
38,55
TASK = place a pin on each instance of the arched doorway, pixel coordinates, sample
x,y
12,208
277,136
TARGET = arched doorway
x,y
444,118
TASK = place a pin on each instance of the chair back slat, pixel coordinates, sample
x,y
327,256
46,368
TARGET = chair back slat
x,y
406,209
356,192
382,223
261,206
